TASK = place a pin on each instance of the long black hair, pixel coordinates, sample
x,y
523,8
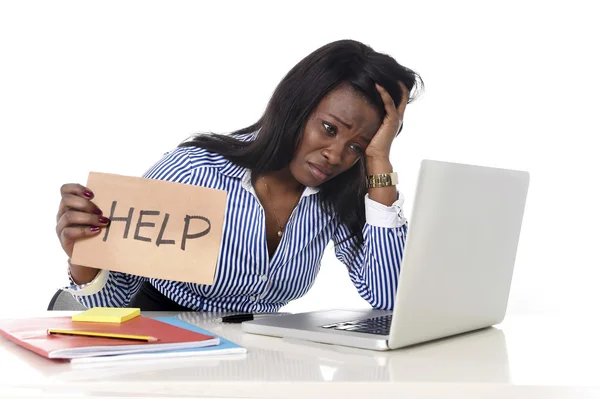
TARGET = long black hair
x,y
281,126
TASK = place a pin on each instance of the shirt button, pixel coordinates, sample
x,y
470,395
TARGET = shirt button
x,y
263,277
253,298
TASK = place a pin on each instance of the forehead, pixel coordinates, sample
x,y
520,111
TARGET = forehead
x,y
345,103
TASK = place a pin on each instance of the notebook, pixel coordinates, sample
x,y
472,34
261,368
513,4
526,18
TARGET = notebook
x,y
32,334
225,347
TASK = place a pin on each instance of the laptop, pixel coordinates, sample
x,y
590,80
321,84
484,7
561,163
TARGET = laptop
x,y
456,271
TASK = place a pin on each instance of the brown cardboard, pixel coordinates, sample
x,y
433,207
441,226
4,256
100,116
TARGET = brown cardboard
x,y
156,246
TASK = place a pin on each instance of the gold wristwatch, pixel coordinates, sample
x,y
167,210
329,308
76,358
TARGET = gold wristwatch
x,y
382,180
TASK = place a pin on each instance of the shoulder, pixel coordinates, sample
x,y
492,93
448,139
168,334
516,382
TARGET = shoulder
x,y
194,157
199,157
184,162
179,163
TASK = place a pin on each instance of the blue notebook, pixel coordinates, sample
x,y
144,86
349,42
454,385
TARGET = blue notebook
x,y
225,347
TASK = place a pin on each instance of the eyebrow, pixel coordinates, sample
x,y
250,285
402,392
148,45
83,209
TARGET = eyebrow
x,y
348,126
364,139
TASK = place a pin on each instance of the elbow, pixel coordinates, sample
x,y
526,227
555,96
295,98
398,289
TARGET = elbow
x,y
381,303
383,307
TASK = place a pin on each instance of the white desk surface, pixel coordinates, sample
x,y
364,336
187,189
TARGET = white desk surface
x,y
526,356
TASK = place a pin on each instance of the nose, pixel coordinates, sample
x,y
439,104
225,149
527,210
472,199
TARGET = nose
x,y
333,153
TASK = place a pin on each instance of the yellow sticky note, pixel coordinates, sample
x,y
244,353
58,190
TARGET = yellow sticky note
x,y
107,315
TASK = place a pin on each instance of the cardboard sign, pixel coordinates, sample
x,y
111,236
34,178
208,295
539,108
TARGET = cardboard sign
x,y
158,229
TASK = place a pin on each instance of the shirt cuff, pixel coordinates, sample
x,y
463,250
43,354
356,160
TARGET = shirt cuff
x,y
379,215
90,288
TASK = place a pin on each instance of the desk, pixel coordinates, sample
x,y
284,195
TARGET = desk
x,y
527,356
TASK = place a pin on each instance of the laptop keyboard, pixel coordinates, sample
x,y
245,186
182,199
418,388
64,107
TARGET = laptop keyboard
x,y
379,325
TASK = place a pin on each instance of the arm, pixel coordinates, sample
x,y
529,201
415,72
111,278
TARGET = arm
x,y
376,268
115,289
375,265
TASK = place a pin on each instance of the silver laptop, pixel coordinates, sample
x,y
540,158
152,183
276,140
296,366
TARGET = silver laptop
x,y
456,272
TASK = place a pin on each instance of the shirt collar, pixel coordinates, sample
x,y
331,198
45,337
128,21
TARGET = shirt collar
x,y
247,184
239,172
232,170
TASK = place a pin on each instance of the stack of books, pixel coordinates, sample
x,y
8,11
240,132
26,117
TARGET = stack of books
x,y
111,334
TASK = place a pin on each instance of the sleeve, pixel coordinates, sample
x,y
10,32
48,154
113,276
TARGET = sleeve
x,y
115,289
374,266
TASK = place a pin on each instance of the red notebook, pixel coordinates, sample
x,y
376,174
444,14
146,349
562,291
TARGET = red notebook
x,y
32,334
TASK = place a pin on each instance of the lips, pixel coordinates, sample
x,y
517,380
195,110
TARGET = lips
x,y
320,172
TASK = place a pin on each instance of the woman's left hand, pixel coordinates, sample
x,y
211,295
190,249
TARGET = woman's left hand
x,y
381,144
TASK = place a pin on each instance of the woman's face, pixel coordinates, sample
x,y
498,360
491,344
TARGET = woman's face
x,y
336,135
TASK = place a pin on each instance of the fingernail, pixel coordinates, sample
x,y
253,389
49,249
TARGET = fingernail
x,y
103,219
97,211
88,193
94,228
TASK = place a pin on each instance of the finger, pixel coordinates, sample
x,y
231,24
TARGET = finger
x,y
73,218
69,235
76,189
72,201
388,102
404,100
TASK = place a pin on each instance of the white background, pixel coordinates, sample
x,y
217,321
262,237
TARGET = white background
x,y
110,86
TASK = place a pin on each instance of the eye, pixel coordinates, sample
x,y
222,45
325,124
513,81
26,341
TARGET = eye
x,y
329,129
356,148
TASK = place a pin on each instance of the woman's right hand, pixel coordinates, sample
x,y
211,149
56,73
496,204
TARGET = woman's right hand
x,y
78,217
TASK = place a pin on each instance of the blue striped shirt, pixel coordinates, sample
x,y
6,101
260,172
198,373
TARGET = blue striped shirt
x,y
246,278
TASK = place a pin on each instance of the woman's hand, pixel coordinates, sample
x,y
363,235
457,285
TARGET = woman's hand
x,y
381,144
377,154
78,217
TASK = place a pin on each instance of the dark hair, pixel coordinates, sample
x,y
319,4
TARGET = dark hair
x,y
296,96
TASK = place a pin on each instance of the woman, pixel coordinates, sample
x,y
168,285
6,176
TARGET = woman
x,y
314,168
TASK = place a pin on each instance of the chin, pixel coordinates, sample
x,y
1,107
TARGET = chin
x,y
305,176
308,182
306,179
